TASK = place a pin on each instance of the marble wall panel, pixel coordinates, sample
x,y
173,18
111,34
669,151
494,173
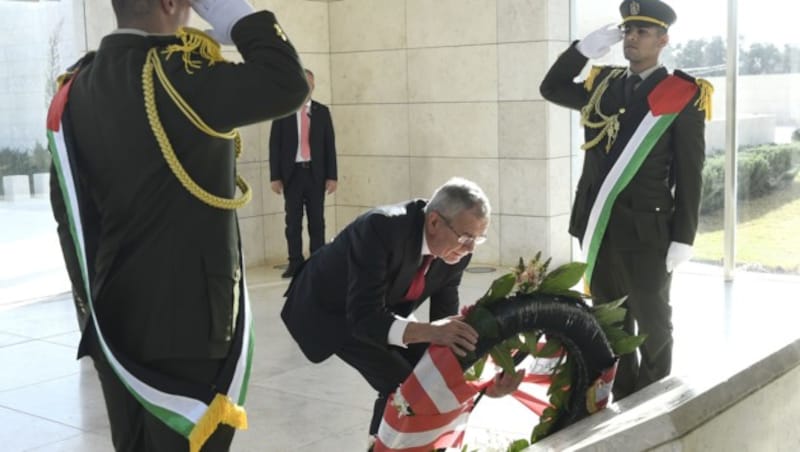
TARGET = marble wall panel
x,y
252,240
367,25
372,181
532,20
376,130
274,239
559,186
320,65
523,236
523,130
369,77
100,21
251,172
435,23
521,70
523,187
453,129
453,74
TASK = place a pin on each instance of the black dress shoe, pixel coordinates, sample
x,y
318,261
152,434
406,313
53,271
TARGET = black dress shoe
x,y
289,272
292,269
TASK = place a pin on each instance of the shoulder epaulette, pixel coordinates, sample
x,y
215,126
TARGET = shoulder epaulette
x,y
703,101
72,70
194,42
588,84
706,90
683,75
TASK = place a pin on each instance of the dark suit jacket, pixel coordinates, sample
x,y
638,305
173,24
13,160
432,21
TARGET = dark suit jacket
x,y
646,213
355,284
283,146
163,262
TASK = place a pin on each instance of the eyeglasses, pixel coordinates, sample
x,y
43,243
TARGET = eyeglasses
x,y
463,239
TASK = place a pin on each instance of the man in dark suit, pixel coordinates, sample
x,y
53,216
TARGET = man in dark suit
x,y
302,165
355,297
161,245
637,202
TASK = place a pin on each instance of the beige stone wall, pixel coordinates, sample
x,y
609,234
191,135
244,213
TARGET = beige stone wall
x,y
428,89
420,91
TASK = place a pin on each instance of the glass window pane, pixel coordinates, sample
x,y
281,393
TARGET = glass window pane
x,y
769,139
40,38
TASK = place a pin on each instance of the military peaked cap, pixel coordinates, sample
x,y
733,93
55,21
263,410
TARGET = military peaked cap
x,y
653,12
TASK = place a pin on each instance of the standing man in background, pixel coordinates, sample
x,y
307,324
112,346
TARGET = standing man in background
x,y
302,166
637,203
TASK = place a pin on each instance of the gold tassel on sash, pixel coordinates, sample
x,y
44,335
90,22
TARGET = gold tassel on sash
x,y
221,411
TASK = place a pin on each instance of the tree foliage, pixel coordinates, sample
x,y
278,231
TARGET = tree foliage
x,y
702,57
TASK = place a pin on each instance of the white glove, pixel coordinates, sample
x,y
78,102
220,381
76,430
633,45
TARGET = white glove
x,y
677,254
222,15
598,43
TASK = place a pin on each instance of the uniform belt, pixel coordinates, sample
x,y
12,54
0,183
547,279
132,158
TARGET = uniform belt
x,y
306,164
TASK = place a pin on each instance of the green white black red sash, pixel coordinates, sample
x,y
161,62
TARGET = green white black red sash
x,y
666,101
192,410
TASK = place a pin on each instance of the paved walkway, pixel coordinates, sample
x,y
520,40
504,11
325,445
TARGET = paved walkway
x,y
31,265
51,402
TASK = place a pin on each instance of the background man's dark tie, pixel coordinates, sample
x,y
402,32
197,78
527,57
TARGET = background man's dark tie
x,y
630,83
418,283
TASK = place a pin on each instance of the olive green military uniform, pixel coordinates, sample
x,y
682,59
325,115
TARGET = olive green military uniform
x,y
660,205
163,263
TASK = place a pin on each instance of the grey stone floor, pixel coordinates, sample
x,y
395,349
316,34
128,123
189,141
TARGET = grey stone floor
x,y
51,402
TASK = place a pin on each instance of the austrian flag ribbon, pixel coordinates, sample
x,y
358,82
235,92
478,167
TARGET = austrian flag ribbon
x,y
430,409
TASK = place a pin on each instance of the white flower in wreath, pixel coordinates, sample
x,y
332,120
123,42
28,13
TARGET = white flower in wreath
x,y
401,405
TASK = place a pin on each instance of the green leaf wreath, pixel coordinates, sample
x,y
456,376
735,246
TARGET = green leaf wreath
x,y
535,278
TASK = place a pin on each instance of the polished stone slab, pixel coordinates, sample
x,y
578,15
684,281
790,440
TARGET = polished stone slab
x,y
49,401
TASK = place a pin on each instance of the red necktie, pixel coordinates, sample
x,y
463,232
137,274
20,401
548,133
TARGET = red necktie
x,y
305,125
418,283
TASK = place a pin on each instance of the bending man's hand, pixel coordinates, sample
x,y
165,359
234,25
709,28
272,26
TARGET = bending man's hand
x,y
598,43
505,384
454,333
222,15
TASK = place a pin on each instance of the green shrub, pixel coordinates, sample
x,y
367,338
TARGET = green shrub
x,y
23,161
761,170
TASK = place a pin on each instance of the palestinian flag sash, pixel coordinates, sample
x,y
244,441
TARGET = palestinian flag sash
x,y
666,101
193,410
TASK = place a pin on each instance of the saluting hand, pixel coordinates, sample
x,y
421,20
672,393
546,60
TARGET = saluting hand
x,y
598,43
222,15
